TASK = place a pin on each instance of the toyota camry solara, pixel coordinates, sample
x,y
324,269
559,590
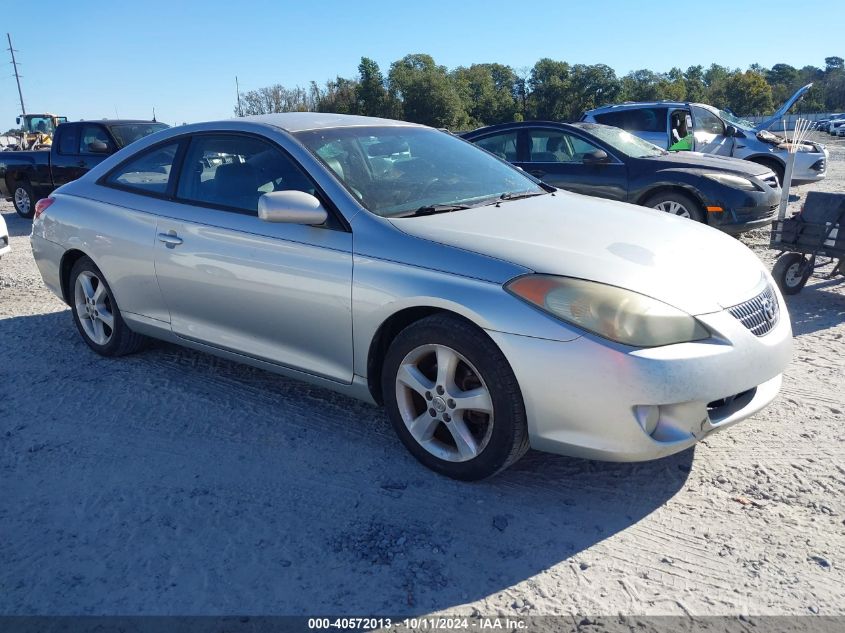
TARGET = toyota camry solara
x,y
404,266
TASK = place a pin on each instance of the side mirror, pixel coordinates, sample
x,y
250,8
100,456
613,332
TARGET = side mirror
x,y
292,207
18,120
730,131
98,147
597,157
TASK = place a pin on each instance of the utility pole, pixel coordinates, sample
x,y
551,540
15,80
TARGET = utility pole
x,y
17,76
238,90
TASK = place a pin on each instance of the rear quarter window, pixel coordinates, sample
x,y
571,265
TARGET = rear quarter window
x,y
635,119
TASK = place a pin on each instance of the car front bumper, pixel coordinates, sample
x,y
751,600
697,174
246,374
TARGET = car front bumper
x,y
810,167
742,210
583,397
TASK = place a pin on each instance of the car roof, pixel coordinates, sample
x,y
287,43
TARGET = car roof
x,y
577,125
114,121
302,121
631,105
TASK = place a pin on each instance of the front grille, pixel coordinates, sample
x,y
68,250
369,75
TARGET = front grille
x,y
759,314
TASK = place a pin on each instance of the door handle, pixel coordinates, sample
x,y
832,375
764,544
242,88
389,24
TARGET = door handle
x,y
539,173
171,239
81,163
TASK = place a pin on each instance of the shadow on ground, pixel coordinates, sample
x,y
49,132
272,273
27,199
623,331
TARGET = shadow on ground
x,y
174,482
17,225
816,308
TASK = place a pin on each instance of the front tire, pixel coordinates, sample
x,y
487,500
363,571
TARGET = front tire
x,y
96,314
676,203
791,272
453,399
22,199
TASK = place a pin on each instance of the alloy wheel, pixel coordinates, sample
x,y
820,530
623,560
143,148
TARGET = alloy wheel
x,y
22,201
444,403
673,207
94,308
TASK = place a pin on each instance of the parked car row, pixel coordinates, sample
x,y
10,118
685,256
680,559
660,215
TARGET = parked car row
x,y
491,311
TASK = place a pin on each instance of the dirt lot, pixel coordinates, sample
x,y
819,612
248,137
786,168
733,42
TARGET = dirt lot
x,y
172,482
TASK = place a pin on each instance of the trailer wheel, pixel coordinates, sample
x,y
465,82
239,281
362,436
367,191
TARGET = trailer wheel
x,y
22,199
791,272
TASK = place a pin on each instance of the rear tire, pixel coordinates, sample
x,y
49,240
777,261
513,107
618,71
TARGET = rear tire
x,y
96,314
22,199
791,272
676,203
453,399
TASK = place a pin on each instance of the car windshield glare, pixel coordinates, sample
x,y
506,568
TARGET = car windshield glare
x,y
625,142
742,124
396,171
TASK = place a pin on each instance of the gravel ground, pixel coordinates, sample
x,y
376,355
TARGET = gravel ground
x,y
172,482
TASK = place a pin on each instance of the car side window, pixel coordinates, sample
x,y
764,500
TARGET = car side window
x,y
552,146
706,121
149,172
502,145
635,119
68,140
233,171
95,140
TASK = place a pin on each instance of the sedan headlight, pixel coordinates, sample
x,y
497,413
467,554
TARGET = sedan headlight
x,y
738,182
614,313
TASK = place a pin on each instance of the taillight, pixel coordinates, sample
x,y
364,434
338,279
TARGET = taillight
x,y
41,206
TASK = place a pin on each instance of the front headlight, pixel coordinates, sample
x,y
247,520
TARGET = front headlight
x,y
614,313
737,182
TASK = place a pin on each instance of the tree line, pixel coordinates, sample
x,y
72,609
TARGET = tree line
x,y
419,90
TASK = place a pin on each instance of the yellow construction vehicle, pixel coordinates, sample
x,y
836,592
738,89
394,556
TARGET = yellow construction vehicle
x,y
37,130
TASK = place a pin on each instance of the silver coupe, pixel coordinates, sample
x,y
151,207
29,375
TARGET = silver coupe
x,y
404,266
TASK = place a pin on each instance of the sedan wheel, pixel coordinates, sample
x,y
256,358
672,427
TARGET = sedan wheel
x,y
444,403
96,314
676,203
453,398
93,306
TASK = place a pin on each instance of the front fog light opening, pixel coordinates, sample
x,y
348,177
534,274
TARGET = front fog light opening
x,y
648,415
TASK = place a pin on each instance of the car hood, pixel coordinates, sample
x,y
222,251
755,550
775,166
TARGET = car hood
x,y
777,116
685,264
697,160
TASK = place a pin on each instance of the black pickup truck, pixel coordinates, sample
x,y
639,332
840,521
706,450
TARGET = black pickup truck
x,y
28,176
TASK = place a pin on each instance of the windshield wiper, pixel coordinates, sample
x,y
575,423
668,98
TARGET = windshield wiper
x,y
519,196
438,208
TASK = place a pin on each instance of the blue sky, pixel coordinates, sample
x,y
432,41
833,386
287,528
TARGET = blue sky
x,y
94,59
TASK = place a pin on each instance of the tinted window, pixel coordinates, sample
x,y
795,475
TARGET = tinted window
x,y
235,171
635,119
68,139
502,145
149,172
706,121
95,140
551,146
126,133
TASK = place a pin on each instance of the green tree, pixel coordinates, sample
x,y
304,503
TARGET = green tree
x,y
549,87
426,93
590,86
487,93
371,92
641,85
694,83
834,63
748,93
339,96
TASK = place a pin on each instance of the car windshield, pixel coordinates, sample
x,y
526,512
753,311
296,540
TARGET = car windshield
x,y
400,171
742,124
126,133
625,142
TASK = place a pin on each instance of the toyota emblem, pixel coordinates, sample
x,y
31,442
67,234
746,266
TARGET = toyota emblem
x,y
768,309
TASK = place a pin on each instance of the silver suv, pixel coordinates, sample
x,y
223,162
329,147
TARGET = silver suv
x,y
700,127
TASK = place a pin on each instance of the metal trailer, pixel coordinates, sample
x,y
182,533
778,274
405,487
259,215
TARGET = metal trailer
x,y
811,240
